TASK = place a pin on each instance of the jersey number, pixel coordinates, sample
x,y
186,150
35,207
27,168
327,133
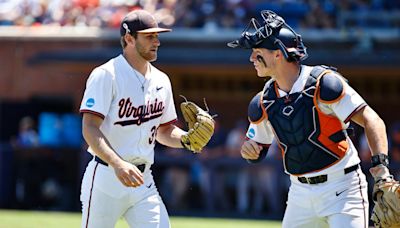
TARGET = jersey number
x,y
153,136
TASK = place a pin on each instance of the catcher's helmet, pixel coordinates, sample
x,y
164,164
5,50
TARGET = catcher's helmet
x,y
273,34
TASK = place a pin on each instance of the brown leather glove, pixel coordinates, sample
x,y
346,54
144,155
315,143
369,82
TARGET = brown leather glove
x,y
201,126
386,196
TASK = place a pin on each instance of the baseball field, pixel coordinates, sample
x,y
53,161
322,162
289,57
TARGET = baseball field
x,y
36,219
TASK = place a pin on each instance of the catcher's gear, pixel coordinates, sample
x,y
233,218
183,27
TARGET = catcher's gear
x,y
380,159
201,126
272,33
386,196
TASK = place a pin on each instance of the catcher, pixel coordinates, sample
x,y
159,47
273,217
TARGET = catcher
x,y
307,110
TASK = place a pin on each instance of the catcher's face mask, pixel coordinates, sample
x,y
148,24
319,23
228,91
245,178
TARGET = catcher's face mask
x,y
273,34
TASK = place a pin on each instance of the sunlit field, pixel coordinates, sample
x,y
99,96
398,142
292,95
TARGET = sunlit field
x,y
36,219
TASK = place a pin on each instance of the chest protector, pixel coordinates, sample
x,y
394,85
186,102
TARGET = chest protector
x,y
309,139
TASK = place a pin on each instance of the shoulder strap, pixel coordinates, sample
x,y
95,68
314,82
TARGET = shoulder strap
x,y
318,70
269,91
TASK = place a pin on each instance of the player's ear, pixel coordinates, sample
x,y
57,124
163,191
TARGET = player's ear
x,y
129,39
278,54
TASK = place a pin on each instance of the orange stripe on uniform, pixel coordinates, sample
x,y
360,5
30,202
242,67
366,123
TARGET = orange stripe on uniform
x,y
328,125
276,89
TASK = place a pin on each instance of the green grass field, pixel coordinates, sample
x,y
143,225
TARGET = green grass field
x,y
36,219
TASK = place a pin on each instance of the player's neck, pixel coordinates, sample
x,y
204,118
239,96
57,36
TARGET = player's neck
x,y
288,76
137,62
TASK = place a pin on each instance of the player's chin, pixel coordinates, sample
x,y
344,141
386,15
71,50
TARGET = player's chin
x,y
152,58
261,74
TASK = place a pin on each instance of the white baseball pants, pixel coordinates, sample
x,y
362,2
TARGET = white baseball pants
x,y
340,202
105,200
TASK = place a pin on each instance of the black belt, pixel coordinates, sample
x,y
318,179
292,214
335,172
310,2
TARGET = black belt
x,y
324,178
141,167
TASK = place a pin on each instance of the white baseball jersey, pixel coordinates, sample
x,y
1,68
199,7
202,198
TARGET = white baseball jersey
x,y
133,106
343,109
341,201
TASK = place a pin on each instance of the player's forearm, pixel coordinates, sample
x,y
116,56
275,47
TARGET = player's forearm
x,y
375,130
170,135
99,144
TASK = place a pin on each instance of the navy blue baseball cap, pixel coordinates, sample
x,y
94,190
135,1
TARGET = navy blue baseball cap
x,y
140,21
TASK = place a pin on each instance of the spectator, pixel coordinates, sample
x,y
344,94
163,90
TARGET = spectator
x,y
234,141
206,173
318,17
176,179
175,183
270,185
27,135
208,14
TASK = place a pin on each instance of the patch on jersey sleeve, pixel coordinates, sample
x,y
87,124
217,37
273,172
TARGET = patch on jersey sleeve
x,y
90,102
251,133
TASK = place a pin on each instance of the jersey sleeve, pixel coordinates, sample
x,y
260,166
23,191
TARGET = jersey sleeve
x,y
169,114
261,132
348,105
98,93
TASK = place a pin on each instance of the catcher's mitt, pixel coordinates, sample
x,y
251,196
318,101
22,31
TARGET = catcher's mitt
x,y
201,126
386,195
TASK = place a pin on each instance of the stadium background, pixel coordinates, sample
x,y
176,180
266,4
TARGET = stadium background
x,y
48,49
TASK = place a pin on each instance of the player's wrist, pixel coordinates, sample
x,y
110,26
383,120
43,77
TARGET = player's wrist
x,y
380,159
116,162
380,172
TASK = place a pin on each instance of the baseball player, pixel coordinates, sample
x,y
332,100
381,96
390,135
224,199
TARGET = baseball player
x,y
127,106
307,110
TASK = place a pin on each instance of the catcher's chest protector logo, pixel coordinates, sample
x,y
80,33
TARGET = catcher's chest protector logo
x,y
287,110
289,102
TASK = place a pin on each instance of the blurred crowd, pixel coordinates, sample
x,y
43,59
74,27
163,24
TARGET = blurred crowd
x,y
200,13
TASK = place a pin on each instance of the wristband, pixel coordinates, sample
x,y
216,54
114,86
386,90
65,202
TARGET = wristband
x,y
380,159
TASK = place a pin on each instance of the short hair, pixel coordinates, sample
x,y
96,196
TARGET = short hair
x,y
123,42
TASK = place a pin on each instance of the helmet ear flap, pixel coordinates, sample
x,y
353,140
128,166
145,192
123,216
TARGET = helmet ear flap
x,y
289,56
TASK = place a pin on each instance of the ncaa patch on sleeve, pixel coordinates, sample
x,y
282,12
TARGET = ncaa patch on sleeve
x,y
251,133
90,102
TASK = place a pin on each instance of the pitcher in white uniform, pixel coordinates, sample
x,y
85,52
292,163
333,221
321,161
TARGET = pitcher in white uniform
x,y
307,110
127,106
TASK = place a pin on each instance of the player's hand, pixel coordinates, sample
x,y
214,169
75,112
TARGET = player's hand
x,y
250,150
128,174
